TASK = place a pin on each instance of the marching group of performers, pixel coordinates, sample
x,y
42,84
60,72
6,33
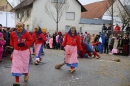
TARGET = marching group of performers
x,y
21,41
73,44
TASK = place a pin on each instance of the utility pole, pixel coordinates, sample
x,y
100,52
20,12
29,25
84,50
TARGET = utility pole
x,y
6,12
112,15
57,17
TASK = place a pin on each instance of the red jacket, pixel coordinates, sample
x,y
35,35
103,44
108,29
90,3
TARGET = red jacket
x,y
73,41
14,41
117,29
35,38
84,51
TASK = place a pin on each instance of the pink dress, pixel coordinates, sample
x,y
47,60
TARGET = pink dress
x,y
37,48
72,45
71,54
57,37
1,45
50,42
115,50
20,61
1,48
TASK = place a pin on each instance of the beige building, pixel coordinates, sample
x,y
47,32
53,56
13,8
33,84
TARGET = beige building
x,y
5,4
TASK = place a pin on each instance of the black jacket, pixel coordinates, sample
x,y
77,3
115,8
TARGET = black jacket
x,y
127,28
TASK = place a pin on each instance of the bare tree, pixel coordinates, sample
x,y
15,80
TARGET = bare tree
x,y
22,14
55,9
126,2
124,16
121,12
37,22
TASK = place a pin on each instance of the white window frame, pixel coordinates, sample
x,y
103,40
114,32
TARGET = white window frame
x,y
80,29
59,1
22,13
1,8
18,15
69,13
28,12
66,30
27,27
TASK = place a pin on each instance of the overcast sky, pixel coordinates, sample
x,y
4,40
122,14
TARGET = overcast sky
x,y
84,2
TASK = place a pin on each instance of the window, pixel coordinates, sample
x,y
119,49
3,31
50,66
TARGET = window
x,y
70,16
22,13
55,1
23,25
67,28
28,27
18,15
1,8
28,13
80,29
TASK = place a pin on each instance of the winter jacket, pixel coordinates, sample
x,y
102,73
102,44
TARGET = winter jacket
x,y
14,40
40,39
72,40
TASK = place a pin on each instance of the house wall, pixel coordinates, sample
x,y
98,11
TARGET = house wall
x,y
39,16
91,28
26,21
4,3
29,22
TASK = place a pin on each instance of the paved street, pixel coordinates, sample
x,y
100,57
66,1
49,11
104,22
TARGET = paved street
x,y
91,72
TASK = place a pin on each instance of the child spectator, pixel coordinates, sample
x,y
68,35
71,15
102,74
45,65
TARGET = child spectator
x,y
2,42
51,43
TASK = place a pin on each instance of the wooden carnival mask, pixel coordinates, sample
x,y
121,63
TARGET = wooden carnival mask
x,y
73,29
19,27
36,28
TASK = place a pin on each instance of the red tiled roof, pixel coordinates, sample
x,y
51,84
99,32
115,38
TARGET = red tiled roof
x,y
96,10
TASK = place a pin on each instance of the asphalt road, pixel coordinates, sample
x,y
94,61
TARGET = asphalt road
x,y
91,72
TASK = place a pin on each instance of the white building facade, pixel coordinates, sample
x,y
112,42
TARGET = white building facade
x,y
71,17
38,16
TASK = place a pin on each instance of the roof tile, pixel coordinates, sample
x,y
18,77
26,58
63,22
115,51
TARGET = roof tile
x,y
96,10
